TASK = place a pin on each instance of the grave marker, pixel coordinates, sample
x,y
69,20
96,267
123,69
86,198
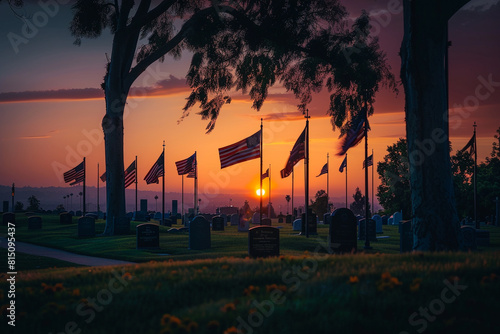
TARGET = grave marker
x,y
342,233
372,234
86,227
405,236
8,217
65,218
469,234
263,241
218,223
199,234
148,236
34,223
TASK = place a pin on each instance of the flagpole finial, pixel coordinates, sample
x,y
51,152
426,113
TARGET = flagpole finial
x,y
307,114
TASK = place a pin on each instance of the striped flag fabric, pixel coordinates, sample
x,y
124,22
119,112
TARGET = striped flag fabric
x,y
343,165
370,161
324,170
243,150
266,174
75,175
130,174
186,166
298,153
156,171
353,137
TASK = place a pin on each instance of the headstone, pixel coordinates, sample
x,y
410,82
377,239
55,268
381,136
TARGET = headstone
x,y
34,223
122,225
157,216
289,219
280,220
483,238
93,215
372,234
256,218
342,234
144,205
235,219
86,227
378,223
65,218
166,222
8,217
405,236
469,235
312,226
174,207
199,234
224,216
218,223
6,206
297,225
78,213
390,221
263,241
148,236
385,218
243,225
327,218
139,216
267,222
396,218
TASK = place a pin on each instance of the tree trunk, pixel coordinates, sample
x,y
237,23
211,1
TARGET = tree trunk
x,y
112,125
434,214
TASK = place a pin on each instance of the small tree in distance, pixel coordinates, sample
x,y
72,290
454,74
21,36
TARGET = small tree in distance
x,y
358,206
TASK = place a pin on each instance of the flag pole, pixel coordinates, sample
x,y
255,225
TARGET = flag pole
x,y
373,173
346,163
84,177
367,201
475,178
195,185
306,170
327,181
98,207
136,183
269,202
182,196
293,212
13,194
261,153
163,188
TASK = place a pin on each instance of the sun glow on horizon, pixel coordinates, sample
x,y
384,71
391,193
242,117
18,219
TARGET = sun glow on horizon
x,y
258,192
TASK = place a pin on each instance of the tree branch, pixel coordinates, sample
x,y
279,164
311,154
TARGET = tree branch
x,y
141,20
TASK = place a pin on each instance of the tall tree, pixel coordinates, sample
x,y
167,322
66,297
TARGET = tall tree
x,y
320,203
434,214
358,206
33,203
394,190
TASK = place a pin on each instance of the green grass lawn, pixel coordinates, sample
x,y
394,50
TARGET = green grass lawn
x,y
221,290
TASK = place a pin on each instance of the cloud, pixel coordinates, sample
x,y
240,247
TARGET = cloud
x,y
36,137
480,5
60,94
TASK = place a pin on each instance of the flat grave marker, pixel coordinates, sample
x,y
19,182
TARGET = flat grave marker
x,y
263,241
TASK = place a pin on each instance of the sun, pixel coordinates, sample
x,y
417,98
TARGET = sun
x,y
258,192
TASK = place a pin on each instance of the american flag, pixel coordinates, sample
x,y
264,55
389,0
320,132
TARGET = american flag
x,y
298,153
156,171
471,145
370,161
324,170
244,150
130,174
266,174
187,166
343,165
353,137
75,175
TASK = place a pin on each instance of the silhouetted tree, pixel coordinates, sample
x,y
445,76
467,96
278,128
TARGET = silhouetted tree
x,y
19,206
245,210
358,206
434,214
33,203
320,203
394,193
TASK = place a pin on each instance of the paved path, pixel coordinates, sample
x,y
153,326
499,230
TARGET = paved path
x,y
24,247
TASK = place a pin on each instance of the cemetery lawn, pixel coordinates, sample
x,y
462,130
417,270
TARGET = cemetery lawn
x,y
307,293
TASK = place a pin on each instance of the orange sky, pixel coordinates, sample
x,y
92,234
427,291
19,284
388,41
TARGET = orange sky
x,y
51,109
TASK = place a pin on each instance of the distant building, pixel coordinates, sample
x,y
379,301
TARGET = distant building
x,y
227,210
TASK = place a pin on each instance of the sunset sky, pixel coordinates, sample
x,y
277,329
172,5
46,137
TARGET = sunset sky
x,y
51,107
